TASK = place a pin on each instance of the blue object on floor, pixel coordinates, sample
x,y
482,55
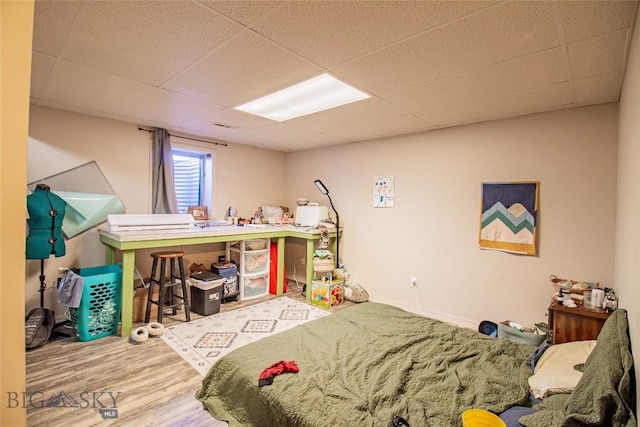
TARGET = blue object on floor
x,y
488,328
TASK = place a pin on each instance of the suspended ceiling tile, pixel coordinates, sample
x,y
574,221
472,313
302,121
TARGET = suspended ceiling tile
x,y
365,111
227,122
598,55
457,58
281,135
399,125
83,109
304,144
539,69
530,101
329,33
247,67
51,23
521,103
244,12
585,19
79,86
297,144
147,123
145,41
208,131
598,89
168,107
499,33
41,66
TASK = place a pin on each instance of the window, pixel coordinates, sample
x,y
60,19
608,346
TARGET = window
x,y
192,171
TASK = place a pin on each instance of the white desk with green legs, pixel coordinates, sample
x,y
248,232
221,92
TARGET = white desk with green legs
x,y
127,242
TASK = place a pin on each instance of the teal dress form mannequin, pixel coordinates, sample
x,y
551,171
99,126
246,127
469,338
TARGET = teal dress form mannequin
x,y
46,212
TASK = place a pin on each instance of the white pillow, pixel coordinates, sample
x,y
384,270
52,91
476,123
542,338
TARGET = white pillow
x,y
554,373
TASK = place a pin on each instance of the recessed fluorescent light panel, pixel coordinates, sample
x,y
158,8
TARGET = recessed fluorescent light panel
x,y
317,94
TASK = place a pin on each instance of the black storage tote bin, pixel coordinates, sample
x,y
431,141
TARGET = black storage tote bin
x,y
99,312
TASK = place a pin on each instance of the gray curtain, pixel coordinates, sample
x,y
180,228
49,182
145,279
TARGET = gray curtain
x,y
162,187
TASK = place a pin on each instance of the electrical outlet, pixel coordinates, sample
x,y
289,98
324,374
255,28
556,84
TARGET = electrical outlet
x,y
303,260
413,282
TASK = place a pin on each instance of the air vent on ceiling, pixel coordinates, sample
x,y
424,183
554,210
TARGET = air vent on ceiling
x,y
222,125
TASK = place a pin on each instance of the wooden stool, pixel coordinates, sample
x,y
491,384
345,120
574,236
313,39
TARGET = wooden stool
x,y
158,278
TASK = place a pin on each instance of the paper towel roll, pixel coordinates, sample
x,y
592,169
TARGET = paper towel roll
x,y
597,297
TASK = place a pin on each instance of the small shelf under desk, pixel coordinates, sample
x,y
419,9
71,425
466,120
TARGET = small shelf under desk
x,y
575,324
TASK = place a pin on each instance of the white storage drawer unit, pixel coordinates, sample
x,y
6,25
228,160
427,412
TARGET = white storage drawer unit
x,y
252,258
254,286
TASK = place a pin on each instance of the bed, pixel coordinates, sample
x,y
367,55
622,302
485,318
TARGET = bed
x,y
365,364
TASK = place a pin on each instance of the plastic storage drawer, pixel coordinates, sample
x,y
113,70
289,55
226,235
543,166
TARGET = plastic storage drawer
x,y
254,286
251,262
251,244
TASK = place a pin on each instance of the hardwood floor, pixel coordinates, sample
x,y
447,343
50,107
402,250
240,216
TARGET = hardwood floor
x,y
147,384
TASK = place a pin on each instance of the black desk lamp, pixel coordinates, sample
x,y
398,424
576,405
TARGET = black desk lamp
x,y
325,191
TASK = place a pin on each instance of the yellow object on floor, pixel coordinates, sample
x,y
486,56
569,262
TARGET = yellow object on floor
x,y
481,418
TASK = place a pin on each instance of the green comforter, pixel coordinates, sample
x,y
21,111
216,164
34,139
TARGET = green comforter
x,y
365,364
605,395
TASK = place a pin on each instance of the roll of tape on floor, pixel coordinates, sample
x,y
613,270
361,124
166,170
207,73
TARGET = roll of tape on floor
x,y
155,329
140,334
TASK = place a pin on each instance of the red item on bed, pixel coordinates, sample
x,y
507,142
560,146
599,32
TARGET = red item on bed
x,y
266,377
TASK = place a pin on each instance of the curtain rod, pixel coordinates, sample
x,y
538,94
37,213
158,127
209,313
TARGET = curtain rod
x,y
192,139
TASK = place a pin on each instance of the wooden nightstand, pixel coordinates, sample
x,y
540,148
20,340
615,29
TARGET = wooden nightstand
x,y
575,324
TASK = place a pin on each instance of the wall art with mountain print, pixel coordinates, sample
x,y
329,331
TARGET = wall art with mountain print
x,y
509,217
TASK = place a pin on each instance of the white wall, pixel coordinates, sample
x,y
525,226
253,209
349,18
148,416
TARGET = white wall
x,y
246,178
432,232
627,265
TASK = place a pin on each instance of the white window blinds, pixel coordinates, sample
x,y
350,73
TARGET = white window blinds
x,y
188,170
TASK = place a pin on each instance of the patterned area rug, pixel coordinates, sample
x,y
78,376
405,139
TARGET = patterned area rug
x,y
204,341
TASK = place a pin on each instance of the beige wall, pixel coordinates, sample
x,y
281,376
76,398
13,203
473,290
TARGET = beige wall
x,y
245,178
16,25
432,233
627,265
